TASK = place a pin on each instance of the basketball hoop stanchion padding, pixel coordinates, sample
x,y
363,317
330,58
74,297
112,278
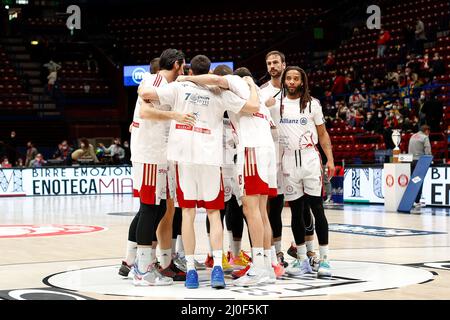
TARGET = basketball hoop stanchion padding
x,y
414,184
396,178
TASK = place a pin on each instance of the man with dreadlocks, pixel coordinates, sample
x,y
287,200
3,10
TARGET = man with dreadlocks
x,y
301,124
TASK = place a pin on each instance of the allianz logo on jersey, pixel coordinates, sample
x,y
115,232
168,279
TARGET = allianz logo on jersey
x,y
302,121
196,99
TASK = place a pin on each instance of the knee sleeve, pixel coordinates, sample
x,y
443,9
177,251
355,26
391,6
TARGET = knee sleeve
x,y
133,227
236,217
321,222
308,219
276,205
297,221
146,224
176,224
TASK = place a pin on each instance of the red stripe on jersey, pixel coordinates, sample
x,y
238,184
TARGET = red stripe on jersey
x,y
157,81
135,124
202,130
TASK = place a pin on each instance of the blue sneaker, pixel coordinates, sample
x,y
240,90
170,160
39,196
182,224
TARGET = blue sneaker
x,y
217,279
191,279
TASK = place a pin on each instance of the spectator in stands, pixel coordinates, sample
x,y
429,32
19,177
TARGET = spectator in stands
x,y
370,122
433,110
11,147
31,153
64,153
126,147
5,163
419,144
38,161
338,84
342,110
86,152
387,134
53,68
409,38
382,42
154,66
19,163
437,66
330,61
408,126
420,36
356,100
392,78
115,150
92,63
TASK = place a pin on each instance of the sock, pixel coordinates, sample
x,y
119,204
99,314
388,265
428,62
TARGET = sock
x,y
210,250
236,247
217,256
301,252
323,251
131,252
267,258
310,245
277,246
258,257
180,247
190,262
174,246
273,255
230,241
153,256
166,258
144,258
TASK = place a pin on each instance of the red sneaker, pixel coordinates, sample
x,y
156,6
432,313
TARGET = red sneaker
x,y
239,273
209,262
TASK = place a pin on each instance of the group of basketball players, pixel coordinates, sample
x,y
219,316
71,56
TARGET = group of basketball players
x,y
219,142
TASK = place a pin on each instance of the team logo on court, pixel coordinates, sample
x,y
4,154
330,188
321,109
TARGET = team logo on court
x,y
348,277
138,75
28,230
303,121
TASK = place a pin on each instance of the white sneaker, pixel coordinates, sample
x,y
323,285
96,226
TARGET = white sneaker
x,y
253,277
272,276
151,278
298,268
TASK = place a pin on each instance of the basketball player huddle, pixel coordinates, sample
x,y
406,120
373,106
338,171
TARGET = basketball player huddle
x,y
217,141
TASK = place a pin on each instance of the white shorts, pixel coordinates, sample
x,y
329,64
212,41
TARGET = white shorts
x,y
302,173
150,182
230,182
256,169
200,186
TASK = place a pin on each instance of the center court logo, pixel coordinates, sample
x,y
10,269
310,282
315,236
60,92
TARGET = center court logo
x,y
137,75
348,277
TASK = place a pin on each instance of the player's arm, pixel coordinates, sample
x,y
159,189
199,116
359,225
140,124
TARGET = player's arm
x,y
149,112
325,143
252,104
147,93
207,80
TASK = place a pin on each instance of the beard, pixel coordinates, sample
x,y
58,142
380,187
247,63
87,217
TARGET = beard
x,y
294,91
275,73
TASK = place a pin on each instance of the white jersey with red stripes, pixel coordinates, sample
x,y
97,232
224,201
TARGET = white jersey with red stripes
x,y
148,137
298,128
253,130
203,142
267,90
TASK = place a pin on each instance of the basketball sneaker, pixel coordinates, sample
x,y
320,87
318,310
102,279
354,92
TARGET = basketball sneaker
x,y
279,270
173,272
280,258
253,277
227,268
180,262
191,279
240,272
229,256
151,278
313,260
292,251
209,262
272,276
199,265
239,262
124,269
298,268
217,278
324,269
245,256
